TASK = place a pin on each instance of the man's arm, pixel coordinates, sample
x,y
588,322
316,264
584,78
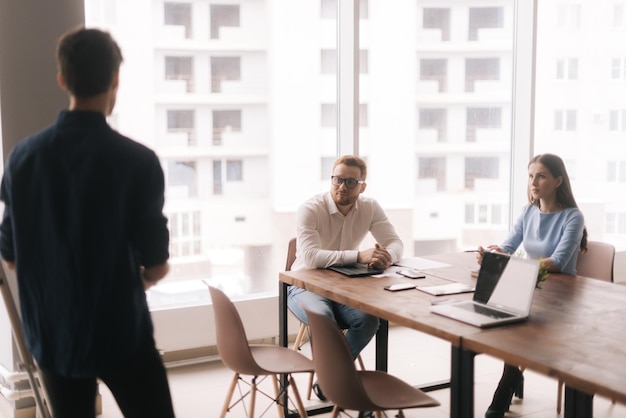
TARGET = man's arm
x,y
151,275
389,247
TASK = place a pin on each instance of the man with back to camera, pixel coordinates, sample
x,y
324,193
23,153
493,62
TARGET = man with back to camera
x,y
84,228
330,229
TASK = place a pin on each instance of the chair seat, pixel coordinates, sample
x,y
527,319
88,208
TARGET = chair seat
x,y
276,359
388,392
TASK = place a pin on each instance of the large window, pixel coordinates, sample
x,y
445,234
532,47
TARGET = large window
x,y
435,106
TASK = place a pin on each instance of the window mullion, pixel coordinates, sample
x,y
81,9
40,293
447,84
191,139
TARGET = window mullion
x,y
348,77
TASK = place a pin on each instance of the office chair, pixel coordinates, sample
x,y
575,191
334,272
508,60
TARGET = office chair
x,y
352,389
253,359
596,263
304,328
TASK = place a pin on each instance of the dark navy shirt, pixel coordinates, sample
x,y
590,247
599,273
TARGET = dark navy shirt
x,y
83,211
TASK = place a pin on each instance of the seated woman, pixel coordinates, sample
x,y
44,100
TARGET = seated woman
x,y
552,230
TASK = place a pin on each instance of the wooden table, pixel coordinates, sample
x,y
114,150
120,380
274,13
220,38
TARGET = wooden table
x,y
407,308
576,331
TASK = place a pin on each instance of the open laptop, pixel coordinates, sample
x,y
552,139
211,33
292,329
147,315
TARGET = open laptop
x,y
504,292
356,270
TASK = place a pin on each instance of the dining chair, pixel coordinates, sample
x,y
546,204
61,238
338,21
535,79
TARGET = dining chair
x,y
596,263
254,360
352,389
304,328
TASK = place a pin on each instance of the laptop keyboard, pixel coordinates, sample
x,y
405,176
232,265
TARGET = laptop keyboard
x,y
485,310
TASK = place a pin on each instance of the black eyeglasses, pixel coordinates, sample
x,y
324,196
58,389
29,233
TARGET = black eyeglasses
x,y
350,183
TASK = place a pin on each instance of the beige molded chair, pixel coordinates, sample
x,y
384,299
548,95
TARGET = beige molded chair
x,y
352,389
596,263
304,329
253,360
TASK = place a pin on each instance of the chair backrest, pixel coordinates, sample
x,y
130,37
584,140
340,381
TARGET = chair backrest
x,y
334,365
232,343
291,254
597,262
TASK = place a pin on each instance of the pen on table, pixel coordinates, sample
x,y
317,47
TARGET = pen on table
x,y
471,251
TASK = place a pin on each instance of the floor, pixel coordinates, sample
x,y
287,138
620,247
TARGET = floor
x,y
199,390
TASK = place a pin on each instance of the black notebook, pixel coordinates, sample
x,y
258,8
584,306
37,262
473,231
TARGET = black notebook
x,y
356,270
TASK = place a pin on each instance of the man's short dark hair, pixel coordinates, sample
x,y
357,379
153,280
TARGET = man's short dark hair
x,y
87,60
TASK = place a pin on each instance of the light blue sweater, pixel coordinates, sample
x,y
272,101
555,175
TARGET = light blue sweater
x,y
548,235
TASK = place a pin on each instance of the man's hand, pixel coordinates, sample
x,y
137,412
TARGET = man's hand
x,y
150,276
377,257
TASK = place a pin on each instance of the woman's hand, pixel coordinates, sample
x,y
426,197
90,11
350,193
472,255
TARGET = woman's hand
x,y
490,248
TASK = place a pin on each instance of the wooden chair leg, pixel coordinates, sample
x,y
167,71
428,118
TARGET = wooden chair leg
x,y
252,398
378,414
559,397
281,412
229,395
335,412
300,336
360,360
296,395
310,388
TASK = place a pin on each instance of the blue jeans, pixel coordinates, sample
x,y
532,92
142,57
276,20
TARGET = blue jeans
x,y
361,326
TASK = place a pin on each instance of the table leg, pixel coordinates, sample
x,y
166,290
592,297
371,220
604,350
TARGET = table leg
x,y
577,404
283,339
382,346
462,383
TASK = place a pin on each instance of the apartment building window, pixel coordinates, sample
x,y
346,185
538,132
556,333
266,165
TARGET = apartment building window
x,y
363,115
185,233
180,68
234,170
480,69
480,213
619,15
567,69
432,168
329,9
434,119
480,168
618,68
565,120
182,121
328,61
568,16
182,178
224,69
617,120
615,223
327,167
329,115
616,171
435,69
223,15
484,18
437,18
225,121
482,118
178,14
364,62
218,187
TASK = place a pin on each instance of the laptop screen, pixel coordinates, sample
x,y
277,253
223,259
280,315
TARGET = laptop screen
x,y
514,291
491,268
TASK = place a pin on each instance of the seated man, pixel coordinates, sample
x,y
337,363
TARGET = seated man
x,y
330,228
